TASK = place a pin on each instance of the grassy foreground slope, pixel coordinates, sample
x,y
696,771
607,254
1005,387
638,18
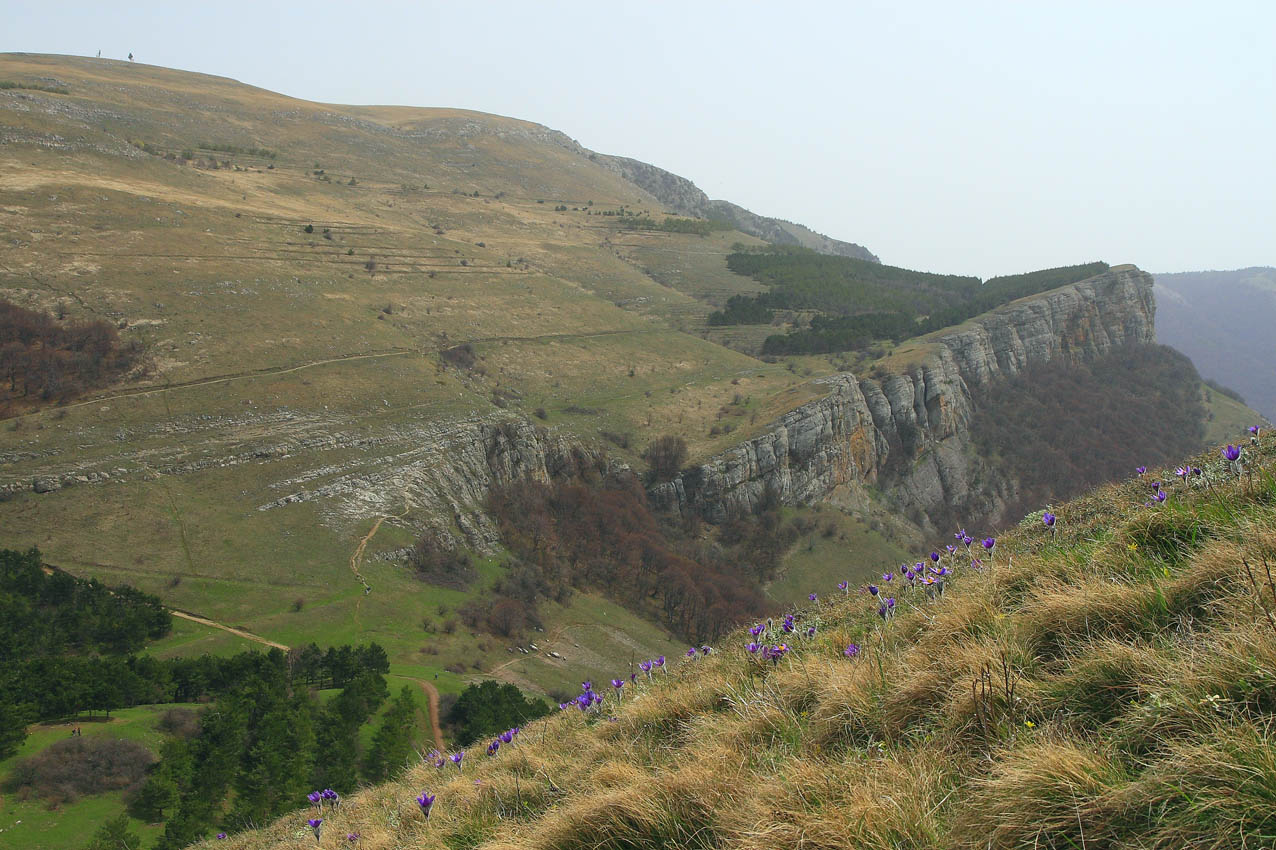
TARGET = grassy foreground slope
x,y
1112,684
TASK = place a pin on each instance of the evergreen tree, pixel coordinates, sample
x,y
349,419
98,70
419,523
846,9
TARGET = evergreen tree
x,y
115,835
392,743
491,707
13,727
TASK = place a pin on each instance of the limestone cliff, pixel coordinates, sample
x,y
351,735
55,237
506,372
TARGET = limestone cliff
x,y
908,434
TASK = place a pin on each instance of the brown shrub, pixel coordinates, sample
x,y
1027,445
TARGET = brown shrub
x,y
78,766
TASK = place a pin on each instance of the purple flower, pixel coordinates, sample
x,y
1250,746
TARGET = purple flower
x,y
977,564
1182,472
960,535
315,798
645,666
617,683
426,802
506,737
1160,496
562,706
587,685
812,597
852,650
872,588
1141,470
951,549
968,540
777,652
691,653
705,650
934,556
1048,518
1254,430
843,585
757,630
810,631
752,648
316,824
440,762
456,759
886,608
660,662
352,837
633,678
990,542
493,747
1232,452
221,836
887,577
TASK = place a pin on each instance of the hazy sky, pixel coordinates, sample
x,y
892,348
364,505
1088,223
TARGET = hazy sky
x,y
978,138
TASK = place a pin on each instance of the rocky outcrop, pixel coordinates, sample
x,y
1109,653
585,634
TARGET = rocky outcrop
x,y
446,476
908,434
682,196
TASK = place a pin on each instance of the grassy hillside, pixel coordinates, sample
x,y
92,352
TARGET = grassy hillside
x,y
293,271
1110,683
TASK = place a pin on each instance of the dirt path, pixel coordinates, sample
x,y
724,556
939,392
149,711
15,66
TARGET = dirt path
x,y
256,373
432,697
204,621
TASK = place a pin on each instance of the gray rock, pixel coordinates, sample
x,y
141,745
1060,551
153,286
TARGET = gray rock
x,y
909,433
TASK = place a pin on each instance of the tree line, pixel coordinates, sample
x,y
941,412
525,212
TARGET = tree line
x,y
858,303
265,743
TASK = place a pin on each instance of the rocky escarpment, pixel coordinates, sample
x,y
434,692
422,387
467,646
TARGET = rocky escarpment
x,y
908,434
682,196
435,475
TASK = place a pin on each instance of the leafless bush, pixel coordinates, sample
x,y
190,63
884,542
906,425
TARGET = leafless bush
x,y
79,766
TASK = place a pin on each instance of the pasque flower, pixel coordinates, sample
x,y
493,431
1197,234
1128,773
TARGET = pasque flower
x,y
316,824
1231,452
1049,519
852,650
456,759
426,802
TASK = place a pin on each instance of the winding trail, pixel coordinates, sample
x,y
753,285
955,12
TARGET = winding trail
x,y
432,697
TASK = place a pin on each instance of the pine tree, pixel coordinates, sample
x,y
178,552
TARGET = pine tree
x,y
115,835
392,743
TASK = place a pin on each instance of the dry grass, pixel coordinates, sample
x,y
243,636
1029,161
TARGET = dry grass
x,y
1111,686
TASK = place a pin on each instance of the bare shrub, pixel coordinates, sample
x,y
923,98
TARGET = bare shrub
x,y
79,766
181,722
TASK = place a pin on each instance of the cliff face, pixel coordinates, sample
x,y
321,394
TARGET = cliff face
x,y
908,434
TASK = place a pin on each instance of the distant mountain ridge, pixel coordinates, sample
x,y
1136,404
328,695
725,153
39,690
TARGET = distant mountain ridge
x,y
1224,321
684,197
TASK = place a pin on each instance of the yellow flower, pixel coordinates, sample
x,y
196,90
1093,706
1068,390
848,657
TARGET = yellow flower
x,y
1030,724
1133,547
